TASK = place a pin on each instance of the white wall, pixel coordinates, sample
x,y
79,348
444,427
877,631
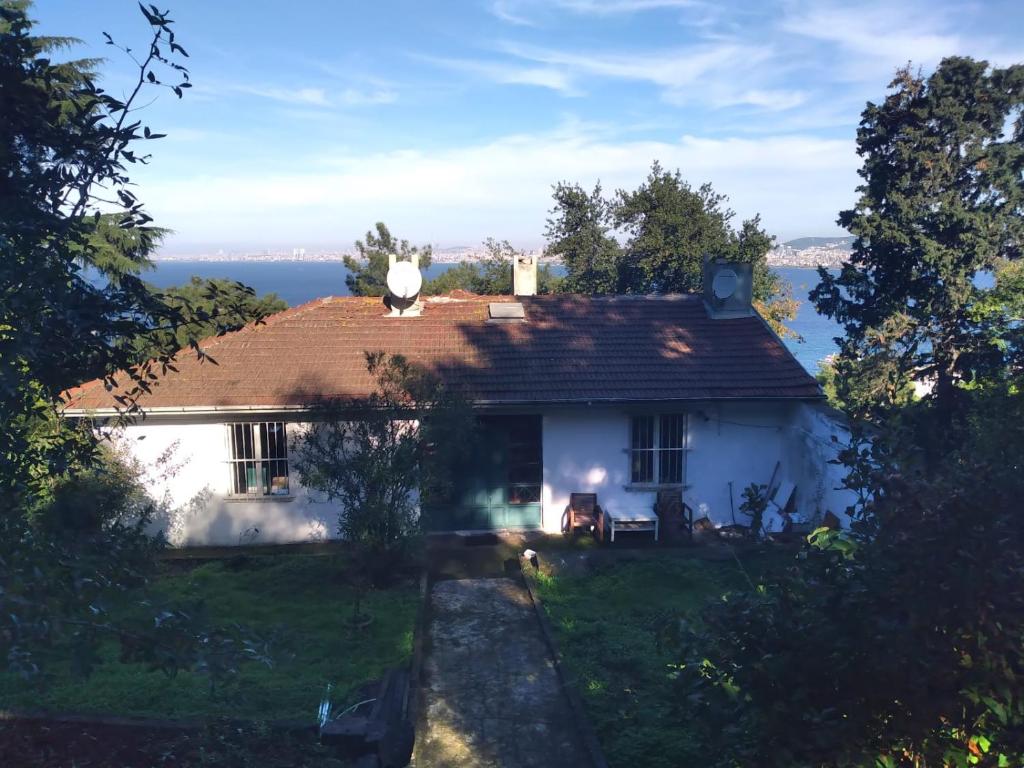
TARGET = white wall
x,y
187,467
585,451
739,443
824,435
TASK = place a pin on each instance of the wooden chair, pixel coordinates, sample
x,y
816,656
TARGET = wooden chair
x,y
584,512
675,515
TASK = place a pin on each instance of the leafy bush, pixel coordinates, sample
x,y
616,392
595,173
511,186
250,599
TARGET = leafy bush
x,y
755,502
379,455
105,495
900,642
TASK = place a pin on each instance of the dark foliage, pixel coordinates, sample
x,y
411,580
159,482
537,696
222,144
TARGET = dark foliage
x,y
901,641
941,205
72,531
670,228
215,307
897,644
578,233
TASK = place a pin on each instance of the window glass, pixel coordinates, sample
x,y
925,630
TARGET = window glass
x,y
670,458
259,459
642,453
658,449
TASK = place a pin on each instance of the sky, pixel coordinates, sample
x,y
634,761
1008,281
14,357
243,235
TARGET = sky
x,y
310,120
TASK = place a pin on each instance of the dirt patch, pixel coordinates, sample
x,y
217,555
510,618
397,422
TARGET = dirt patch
x,y
44,743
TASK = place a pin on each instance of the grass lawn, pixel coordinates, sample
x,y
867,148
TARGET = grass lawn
x,y
606,620
303,600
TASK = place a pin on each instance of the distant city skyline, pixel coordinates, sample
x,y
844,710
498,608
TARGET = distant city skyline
x,y
450,122
801,252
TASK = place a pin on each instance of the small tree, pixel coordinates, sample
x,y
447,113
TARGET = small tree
x,y
380,455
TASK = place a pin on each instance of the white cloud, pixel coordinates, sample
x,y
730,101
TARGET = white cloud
x,y
316,97
777,99
718,74
517,11
304,96
613,7
882,31
774,58
499,188
509,73
871,40
505,10
355,97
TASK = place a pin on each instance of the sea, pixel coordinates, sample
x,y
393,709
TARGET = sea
x,y
297,282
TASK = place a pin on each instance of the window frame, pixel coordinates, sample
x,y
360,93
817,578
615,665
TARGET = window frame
x,y
656,462
258,460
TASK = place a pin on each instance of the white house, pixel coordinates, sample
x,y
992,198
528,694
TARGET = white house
x,y
621,396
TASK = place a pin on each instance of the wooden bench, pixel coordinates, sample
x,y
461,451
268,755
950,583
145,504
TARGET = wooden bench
x,y
634,520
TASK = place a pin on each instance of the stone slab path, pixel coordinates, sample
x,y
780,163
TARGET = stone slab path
x,y
492,696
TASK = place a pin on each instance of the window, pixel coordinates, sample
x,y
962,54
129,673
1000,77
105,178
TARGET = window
x,y
657,449
259,459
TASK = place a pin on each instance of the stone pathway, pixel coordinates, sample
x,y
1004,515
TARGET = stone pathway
x,y
491,693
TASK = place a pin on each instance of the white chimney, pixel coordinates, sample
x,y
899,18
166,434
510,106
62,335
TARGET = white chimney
x,y
524,275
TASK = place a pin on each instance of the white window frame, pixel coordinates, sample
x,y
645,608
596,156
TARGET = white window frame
x,y
265,490
657,450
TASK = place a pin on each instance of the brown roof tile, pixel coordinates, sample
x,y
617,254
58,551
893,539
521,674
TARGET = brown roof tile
x,y
569,349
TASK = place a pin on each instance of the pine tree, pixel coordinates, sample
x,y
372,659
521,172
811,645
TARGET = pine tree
x,y
577,233
941,207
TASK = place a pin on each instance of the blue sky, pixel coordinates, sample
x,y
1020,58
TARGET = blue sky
x,y
310,119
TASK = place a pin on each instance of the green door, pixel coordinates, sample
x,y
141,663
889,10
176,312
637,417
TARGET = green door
x,y
500,487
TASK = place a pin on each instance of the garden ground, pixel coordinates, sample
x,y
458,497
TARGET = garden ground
x,y
219,744
608,608
300,603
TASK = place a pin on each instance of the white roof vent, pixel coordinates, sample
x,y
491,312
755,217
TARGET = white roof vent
x,y
505,312
728,288
404,282
724,285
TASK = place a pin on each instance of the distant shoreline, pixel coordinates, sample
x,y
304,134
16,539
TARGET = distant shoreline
x,y
809,252
795,262
798,263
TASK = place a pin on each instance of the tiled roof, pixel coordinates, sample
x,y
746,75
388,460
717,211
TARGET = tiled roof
x,y
569,349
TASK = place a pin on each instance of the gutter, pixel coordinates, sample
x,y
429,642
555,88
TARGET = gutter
x,y
200,410
184,409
